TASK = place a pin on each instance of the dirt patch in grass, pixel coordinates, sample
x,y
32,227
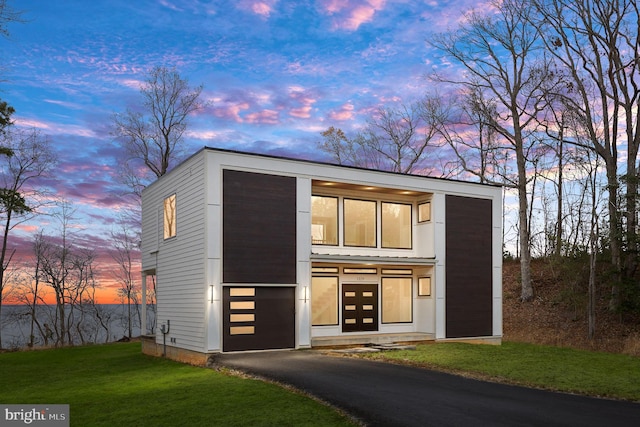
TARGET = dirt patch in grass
x,y
558,314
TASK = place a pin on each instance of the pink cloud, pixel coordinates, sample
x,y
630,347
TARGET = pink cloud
x,y
350,14
301,96
302,112
262,8
343,113
55,128
231,111
271,117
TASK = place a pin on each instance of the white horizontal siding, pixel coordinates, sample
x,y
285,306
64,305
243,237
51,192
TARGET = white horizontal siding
x,y
180,269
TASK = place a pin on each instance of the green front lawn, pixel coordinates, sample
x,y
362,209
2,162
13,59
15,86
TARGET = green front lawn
x,y
553,368
116,384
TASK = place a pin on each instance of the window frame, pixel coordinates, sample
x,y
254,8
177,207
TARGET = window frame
x,y
344,222
337,300
422,219
337,220
169,226
382,226
420,291
382,309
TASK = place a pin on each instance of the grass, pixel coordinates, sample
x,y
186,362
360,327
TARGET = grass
x,y
562,369
116,384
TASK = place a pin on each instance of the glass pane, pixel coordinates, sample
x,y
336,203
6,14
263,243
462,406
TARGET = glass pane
x,y
396,300
241,330
396,226
324,220
359,223
324,301
242,305
169,210
242,318
242,292
424,286
424,212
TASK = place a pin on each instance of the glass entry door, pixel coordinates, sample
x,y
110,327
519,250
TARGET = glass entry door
x,y
359,307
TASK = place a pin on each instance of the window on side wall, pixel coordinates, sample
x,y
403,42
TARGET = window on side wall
x,y
396,225
169,214
324,220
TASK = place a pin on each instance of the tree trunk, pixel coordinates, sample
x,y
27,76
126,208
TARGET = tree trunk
x,y
558,248
631,216
614,235
525,248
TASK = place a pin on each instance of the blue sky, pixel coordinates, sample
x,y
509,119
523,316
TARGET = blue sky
x,y
275,74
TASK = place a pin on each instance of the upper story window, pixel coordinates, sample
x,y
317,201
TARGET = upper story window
x,y
359,223
396,225
324,220
169,214
424,212
367,223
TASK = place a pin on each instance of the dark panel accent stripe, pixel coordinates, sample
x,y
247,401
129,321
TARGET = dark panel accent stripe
x,y
259,228
469,298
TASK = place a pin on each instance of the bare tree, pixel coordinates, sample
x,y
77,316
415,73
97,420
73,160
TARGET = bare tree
x,y
343,150
31,159
7,15
394,139
482,156
596,42
153,132
499,54
68,270
124,254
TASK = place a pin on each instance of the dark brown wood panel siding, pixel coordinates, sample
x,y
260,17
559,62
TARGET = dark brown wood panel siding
x,y
259,228
469,297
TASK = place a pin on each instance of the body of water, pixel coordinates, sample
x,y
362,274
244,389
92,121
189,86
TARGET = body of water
x,y
83,325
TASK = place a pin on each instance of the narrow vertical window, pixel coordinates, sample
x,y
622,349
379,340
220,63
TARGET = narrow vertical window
x,y
424,212
324,220
360,223
396,226
424,286
170,216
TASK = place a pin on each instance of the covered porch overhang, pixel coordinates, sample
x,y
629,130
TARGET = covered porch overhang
x,y
367,259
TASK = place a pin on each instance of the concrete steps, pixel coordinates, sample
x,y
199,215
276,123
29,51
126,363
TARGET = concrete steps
x,y
371,339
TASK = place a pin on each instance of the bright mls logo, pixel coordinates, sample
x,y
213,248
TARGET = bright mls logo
x,y
38,415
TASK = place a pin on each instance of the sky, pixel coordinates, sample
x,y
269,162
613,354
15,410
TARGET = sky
x,y
275,74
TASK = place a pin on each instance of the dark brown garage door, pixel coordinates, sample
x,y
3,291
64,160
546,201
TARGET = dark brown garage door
x,y
258,318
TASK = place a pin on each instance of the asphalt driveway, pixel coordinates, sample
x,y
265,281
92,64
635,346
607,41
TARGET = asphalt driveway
x,y
384,394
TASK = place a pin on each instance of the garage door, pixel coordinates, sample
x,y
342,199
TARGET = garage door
x,y
258,318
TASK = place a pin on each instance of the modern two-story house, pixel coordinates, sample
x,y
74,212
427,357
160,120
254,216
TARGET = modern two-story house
x,y
254,252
